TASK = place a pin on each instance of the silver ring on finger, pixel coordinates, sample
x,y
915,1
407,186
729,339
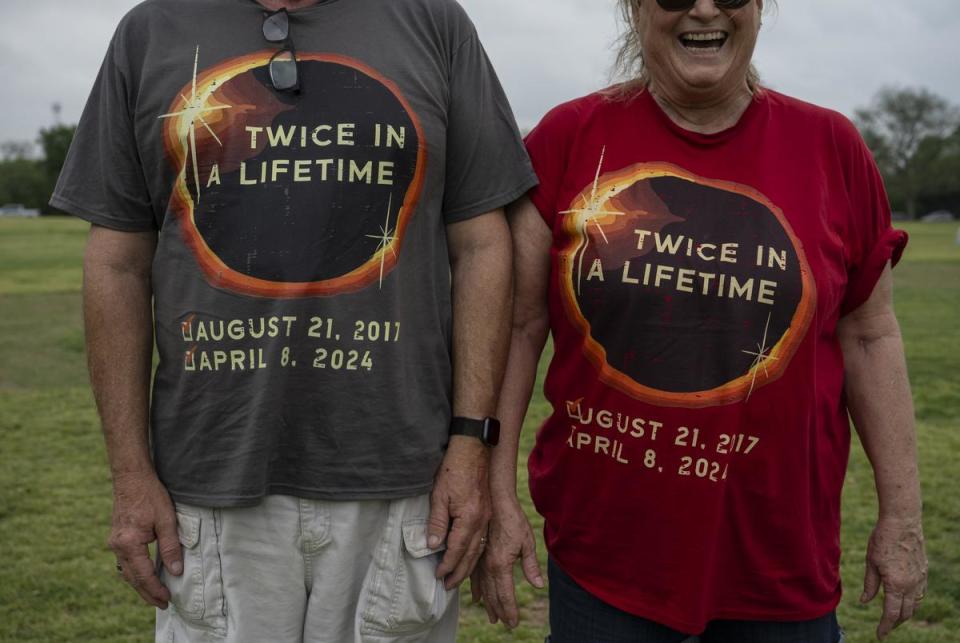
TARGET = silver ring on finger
x,y
483,541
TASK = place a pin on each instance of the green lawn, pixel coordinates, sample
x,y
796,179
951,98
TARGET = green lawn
x,y
57,582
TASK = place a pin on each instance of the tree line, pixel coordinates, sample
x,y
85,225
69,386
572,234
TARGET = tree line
x,y
915,138
914,135
29,180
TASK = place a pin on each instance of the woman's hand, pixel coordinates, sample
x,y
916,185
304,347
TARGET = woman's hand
x,y
510,538
509,533
896,560
878,396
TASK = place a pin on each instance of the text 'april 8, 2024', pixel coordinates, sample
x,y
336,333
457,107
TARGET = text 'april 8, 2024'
x,y
625,440
284,341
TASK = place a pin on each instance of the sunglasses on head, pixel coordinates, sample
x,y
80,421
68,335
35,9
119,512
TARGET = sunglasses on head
x,y
687,5
283,65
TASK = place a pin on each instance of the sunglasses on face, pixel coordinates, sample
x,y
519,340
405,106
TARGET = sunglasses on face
x,y
687,5
283,65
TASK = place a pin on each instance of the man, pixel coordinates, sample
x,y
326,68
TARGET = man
x,y
300,201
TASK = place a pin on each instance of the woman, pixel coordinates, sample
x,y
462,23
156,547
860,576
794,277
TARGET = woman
x,y
713,260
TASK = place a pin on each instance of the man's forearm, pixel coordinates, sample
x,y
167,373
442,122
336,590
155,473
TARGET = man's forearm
x,y
482,297
119,338
460,501
117,312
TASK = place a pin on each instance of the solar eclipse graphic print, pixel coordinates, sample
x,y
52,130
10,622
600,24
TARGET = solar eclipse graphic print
x,y
713,281
288,195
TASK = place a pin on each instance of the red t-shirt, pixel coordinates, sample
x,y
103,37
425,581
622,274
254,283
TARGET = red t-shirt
x,y
692,467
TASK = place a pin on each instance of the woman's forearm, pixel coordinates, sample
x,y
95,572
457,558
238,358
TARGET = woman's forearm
x,y
879,399
878,395
526,346
531,261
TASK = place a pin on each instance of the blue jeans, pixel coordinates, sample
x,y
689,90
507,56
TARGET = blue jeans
x,y
577,616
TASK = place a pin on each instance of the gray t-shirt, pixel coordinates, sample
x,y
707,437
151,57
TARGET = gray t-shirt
x,y
301,280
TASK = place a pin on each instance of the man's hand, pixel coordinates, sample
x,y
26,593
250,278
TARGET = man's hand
x,y
118,316
896,560
480,269
511,538
142,513
460,508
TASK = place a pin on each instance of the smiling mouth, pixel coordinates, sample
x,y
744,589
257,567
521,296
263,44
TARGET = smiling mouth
x,y
706,42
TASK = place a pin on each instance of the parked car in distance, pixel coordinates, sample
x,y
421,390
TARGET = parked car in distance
x,y
17,210
938,216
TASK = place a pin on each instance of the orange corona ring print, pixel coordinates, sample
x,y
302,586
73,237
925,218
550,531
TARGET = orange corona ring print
x,y
287,195
689,292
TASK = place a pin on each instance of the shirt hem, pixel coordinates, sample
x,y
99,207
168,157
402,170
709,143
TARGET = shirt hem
x,y
236,500
97,218
492,203
543,209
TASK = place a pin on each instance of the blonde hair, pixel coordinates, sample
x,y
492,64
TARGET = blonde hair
x,y
629,63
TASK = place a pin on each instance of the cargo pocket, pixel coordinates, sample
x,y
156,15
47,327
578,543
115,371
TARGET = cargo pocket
x,y
403,597
197,595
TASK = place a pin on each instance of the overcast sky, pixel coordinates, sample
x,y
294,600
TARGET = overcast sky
x,y
835,53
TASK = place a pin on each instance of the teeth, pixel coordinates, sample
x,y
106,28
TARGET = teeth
x,y
713,35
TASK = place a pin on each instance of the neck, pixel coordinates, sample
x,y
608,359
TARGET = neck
x,y
289,5
704,115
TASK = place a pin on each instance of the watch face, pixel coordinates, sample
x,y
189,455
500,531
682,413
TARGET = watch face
x,y
491,431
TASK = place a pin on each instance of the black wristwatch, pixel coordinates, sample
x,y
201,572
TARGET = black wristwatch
x,y
486,430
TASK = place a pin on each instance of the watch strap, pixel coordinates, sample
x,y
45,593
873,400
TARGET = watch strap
x,y
486,430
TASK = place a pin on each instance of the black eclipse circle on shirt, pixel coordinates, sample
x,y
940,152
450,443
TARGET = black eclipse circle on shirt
x,y
289,231
682,342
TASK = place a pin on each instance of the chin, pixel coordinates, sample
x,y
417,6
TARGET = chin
x,y
708,74
706,80
705,85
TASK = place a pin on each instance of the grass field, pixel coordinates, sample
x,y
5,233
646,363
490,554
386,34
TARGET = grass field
x,y
57,581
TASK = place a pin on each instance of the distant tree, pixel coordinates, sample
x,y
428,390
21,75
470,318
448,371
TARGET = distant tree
x,y
55,141
10,150
906,129
30,181
941,184
23,180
